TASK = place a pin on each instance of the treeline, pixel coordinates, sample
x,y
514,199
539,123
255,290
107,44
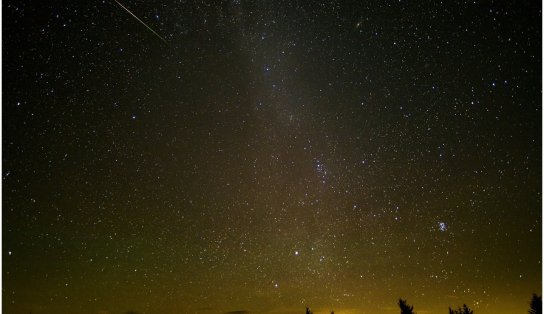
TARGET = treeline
x,y
405,308
535,307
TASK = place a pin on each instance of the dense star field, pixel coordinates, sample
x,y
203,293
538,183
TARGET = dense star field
x,y
264,156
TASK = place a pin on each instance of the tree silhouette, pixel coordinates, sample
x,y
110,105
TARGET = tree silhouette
x,y
405,308
308,311
462,310
536,305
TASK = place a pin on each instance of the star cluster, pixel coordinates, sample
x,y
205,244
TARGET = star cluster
x,y
271,155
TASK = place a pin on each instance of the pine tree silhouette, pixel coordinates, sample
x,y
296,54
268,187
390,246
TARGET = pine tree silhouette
x,y
462,310
536,305
405,308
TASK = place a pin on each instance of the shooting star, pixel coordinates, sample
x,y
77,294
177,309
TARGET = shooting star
x,y
149,28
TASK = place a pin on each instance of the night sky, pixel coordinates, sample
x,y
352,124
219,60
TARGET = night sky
x,y
264,156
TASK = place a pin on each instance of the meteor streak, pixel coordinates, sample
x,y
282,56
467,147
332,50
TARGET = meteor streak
x,y
149,28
